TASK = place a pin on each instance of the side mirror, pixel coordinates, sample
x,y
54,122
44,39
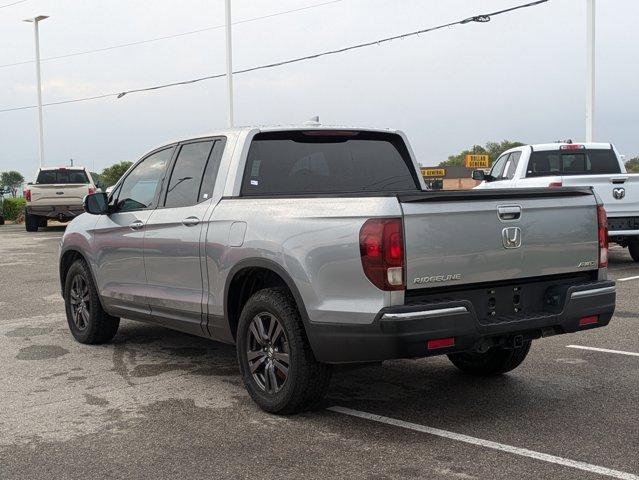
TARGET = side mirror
x,y
479,175
96,204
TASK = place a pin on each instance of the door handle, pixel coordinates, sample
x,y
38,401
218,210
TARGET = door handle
x,y
509,213
190,221
137,225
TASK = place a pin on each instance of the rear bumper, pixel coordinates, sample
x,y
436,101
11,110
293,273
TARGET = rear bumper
x,y
403,332
623,227
66,212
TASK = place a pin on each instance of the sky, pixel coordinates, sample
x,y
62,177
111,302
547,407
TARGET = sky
x,y
520,76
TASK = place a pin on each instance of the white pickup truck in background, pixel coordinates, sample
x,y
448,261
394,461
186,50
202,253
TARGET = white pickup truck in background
x,y
58,193
597,165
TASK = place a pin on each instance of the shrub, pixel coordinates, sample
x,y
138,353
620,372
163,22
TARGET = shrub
x,y
13,207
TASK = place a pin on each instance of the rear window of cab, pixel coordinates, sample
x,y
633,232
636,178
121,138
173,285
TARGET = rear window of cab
x,y
572,162
324,162
62,176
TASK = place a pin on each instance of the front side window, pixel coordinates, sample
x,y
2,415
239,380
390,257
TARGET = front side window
x,y
498,167
186,178
139,188
511,168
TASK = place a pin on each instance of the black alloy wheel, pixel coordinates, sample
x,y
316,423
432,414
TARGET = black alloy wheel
x,y
268,352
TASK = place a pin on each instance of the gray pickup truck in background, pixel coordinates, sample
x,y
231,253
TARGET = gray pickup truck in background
x,y
310,246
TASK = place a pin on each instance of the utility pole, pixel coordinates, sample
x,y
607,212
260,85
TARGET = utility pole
x,y
229,62
36,21
590,70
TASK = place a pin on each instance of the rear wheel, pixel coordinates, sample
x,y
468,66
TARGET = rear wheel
x,y
277,365
633,248
1,220
87,320
495,361
31,222
42,222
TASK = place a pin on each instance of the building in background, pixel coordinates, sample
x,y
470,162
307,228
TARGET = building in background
x,y
449,178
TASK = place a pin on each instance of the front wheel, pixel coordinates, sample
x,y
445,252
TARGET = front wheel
x,y
88,321
277,365
495,361
633,248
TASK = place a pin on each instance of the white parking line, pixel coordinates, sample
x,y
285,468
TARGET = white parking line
x,y
488,444
628,278
605,350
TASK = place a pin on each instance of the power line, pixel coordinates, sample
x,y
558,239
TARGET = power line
x,y
11,4
168,37
483,18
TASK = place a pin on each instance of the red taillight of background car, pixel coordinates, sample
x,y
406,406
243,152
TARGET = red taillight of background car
x,y
602,221
27,195
91,190
381,246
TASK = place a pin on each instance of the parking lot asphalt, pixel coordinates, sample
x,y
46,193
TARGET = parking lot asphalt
x,y
161,404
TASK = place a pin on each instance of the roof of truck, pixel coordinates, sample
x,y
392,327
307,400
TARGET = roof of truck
x,y
279,128
63,167
558,145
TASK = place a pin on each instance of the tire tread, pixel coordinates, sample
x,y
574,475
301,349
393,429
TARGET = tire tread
x,y
313,377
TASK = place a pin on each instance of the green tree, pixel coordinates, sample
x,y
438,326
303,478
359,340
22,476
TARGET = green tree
x,y
110,175
13,180
632,165
458,160
492,149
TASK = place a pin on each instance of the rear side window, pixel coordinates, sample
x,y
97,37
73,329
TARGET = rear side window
x,y
572,162
186,178
62,175
319,161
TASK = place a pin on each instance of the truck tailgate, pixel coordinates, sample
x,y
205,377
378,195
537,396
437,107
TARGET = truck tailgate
x,y
59,194
455,238
620,192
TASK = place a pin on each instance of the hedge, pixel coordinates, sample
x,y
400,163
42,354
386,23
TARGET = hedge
x,y
13,207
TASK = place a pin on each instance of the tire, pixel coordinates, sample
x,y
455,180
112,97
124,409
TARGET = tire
x,y
495,361
42,222
89,324
305,381
31,222
1,220
633,248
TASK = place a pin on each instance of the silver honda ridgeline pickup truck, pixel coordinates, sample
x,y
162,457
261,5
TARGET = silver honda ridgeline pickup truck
x,y
311,246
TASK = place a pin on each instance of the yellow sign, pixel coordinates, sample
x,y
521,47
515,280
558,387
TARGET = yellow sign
x,y
433,172
477,161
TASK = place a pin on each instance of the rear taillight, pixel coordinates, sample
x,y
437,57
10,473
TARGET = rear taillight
x,y
555,184
27,195
602,228
381,246
590,320
91,190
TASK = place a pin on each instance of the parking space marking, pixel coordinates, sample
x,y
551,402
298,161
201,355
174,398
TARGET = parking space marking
x,y
488,444
605,350
636,277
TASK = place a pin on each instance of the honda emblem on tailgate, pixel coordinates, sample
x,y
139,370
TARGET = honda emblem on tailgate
x,y
619,193
511,237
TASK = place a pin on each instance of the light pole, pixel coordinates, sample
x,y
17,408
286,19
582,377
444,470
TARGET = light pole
x,y
590,70
229,62
35,22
